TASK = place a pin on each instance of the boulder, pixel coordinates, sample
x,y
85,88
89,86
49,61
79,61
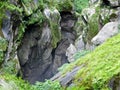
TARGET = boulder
x,y
114,2
71,50
79,43
68,78
109,30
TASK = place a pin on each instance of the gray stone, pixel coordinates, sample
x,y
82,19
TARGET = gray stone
x,y
109,30
79,43
39,60
71,50
6,26
114,2
68,78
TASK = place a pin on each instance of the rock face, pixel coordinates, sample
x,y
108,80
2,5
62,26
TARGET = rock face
x,y
97,70
109,30
114,3
39,60
114,83
71,50
68,78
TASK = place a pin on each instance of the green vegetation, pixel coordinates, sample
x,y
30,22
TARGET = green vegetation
x,y
80,4
47,85
100,66
10,82
6,5
96,18
81,54
93,26
65,5
56,35
3,47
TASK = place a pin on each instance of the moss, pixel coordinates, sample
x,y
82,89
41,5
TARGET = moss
x,y
100,66
11,82
20,33
65,5
93,26
80,4
30,6
56,34
36,17
3,47
50,3
10,67
3,44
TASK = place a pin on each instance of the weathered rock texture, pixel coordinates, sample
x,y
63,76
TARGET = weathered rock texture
x,y
38,58
109,30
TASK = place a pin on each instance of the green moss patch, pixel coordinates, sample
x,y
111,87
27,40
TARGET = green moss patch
x,y
99,66
11,82
3,47
80,4
56,35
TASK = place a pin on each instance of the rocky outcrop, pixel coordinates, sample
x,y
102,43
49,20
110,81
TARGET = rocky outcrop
x,y
46,39
66,80
113,3
71,50
38,55
109,30
92,20
38,35
97,70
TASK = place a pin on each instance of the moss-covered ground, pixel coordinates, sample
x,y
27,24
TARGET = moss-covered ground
x,y
99,66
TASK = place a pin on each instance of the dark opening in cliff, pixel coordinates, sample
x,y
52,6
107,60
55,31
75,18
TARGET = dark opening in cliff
x,y
38,59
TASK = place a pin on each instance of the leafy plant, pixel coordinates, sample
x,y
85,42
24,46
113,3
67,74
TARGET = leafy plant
x,y
80,4
47,85
3,47
11,82
65,5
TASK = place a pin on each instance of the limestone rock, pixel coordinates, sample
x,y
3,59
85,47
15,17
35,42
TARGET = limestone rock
x,y
6,26
71,50
68,78
114,2
38,58
79,43
109,30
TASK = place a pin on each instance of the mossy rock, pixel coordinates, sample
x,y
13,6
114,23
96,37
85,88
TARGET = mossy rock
x,y
3,44
65,5
3,47
100,66
11,82
31,6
